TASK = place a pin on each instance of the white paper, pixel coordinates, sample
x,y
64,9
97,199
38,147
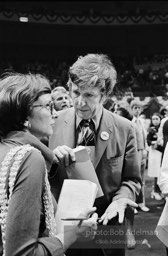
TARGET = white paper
x,y
83,168
75,197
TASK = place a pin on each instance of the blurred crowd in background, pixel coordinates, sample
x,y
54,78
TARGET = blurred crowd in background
x,y
135,73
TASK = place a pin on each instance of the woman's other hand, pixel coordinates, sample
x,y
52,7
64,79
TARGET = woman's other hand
x,y
86,228
83,230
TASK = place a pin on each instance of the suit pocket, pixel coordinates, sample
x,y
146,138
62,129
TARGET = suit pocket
x,y
111,174
116,164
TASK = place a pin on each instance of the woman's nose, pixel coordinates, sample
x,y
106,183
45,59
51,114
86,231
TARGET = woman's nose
x,y
54,114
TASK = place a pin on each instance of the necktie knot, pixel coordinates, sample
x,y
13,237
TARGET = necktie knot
x,y
86,132
86,123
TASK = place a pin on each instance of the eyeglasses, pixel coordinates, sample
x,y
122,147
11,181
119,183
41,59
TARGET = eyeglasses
x,y
49,106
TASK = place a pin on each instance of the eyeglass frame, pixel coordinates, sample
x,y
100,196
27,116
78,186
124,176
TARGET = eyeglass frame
x,y
49,106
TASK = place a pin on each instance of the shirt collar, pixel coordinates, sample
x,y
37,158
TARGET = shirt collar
x,y
96,119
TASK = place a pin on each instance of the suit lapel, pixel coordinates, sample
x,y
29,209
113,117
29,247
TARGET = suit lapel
x,y
68,132
69,129
101,143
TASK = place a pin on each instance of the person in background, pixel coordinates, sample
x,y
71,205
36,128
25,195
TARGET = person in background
x,y
110,138
145,122
130,238
61,98
114,108
163,111
27,207
160,139
108,104
124,112
59,89
155,154
136,109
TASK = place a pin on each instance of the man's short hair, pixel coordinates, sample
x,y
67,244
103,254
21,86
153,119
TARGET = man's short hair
x,y
136,103
59,89
93,70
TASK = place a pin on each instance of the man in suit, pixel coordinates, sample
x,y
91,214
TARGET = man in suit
x,y
136,109
111,140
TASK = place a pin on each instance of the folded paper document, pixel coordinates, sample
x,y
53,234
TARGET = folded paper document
x,y
83,168
76,196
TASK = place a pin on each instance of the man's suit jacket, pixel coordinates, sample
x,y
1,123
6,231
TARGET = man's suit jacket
x,y
116,159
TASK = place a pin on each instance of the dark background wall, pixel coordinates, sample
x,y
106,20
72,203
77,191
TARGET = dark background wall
x,y
41,41
33,40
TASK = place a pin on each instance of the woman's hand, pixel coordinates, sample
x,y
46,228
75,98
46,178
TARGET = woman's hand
x,y
64,155
86,229
83,230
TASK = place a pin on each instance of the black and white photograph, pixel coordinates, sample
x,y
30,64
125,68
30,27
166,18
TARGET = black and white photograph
x,y
84,128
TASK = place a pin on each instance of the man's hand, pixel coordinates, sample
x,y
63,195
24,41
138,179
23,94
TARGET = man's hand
x,y
117,208
64,155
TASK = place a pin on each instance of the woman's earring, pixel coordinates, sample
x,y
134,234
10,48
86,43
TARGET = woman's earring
x,y
27,124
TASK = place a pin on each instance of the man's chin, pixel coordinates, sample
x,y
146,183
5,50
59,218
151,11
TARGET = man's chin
x,y
64,107
83,115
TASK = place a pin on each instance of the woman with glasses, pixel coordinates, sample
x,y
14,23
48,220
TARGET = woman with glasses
x,y
27,207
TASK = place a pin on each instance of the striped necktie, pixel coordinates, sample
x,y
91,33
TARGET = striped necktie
x,y
86,133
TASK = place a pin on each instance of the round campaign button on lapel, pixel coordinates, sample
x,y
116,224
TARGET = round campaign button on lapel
x,y
104,135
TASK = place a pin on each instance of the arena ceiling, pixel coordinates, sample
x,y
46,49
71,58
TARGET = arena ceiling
x,y
68,27
88,7
85,12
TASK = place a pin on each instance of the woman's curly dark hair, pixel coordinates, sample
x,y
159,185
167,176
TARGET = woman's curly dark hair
x,y
18,92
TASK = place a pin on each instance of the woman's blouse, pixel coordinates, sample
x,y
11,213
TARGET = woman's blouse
x,y
25,229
